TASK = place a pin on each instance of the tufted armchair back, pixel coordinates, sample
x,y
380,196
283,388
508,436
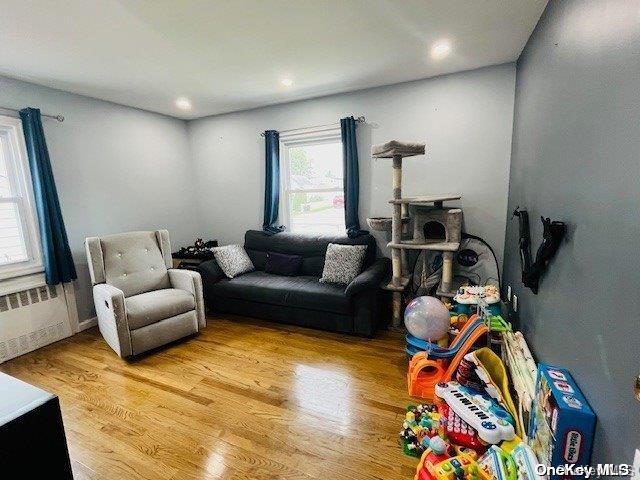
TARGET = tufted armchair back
x,y
134,262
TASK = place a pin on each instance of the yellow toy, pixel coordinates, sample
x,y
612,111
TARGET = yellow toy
x,y
436,464
491,371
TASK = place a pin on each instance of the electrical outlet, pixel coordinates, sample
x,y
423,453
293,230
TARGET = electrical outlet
x,y
515,303
635,475
508,293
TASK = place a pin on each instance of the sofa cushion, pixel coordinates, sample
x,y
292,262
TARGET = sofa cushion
x,y
302,291
233,260
343,263
283,264
312,248
151,307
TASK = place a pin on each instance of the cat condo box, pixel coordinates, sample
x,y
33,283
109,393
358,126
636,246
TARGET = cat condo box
x,y
562,424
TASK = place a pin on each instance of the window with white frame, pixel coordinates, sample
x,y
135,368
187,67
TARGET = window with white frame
x,y
312,199
19,240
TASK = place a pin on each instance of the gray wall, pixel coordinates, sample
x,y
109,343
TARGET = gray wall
x,y
576,147
116,169
465,120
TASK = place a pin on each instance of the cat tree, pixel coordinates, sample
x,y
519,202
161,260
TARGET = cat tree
x,y
417,223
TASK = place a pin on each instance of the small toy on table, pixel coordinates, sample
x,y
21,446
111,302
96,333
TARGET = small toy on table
x,y
422,422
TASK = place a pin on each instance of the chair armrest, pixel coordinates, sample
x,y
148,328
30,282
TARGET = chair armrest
x,y
370,278
191,282
112,318
211,271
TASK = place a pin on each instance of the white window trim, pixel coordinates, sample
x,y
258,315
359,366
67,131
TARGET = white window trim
x,y
18,165
301,137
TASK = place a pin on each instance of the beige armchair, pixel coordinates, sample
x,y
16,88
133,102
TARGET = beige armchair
x,y
141,302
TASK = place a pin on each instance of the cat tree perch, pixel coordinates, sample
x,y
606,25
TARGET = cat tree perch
x,y
417,223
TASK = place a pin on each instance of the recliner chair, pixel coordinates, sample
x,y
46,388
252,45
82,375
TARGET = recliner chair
x,y
141,302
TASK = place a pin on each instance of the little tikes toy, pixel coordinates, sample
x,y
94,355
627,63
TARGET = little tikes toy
x,y
441,463
492,423
562,424
483,366
498,464
424,373
458,431
525,461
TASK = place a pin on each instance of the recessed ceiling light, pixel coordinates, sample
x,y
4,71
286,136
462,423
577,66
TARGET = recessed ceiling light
x,y
183,103
287,82
440,49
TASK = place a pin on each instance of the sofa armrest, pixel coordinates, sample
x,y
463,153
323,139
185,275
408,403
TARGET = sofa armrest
x,y
211,271
112,318
370,278
191,282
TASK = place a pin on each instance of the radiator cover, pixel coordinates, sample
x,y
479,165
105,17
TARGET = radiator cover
x,y
32,318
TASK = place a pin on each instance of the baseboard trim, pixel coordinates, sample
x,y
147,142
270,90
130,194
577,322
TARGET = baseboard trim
x,y
88,323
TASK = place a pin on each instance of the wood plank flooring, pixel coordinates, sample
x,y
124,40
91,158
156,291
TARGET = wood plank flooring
x,y
245,399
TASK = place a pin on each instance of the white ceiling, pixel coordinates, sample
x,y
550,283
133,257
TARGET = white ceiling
x,y
231,55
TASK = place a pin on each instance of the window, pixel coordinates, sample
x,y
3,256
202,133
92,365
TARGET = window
x,y
19,240
313,193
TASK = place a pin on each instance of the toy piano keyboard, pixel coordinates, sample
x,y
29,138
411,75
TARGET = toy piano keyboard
x,y
490,421
458,431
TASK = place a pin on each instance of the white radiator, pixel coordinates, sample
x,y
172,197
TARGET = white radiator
x,y
33,318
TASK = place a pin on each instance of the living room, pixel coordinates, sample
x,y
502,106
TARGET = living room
x,y
232,230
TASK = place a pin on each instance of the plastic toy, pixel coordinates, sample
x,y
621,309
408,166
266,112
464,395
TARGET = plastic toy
x,y
421,423
415,345
469,295
492,423
498,464
485,369
427,318
447,463
424,373
458,431
525,461
562,424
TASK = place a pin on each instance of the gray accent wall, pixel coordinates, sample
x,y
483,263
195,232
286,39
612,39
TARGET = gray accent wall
x,y
116,169
576,151
466,120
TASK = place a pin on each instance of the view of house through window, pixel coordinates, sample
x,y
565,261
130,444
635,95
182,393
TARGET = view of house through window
x,y
314,191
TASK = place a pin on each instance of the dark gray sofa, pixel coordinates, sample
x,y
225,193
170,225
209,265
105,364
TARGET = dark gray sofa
x,y
300,300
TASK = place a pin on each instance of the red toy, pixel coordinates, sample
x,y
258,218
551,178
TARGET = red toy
x,y
458,431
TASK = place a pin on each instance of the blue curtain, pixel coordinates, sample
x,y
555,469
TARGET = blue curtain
x,y
272,183
58,263
351,176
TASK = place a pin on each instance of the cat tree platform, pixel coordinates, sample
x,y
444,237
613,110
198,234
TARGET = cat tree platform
x,y
436,246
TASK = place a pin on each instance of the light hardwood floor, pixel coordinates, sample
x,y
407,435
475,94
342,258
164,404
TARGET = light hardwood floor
x,y
244,399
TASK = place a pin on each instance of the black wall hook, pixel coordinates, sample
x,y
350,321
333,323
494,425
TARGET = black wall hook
x,y
553,233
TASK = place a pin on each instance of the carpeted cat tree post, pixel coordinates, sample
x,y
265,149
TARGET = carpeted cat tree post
x,y
400,279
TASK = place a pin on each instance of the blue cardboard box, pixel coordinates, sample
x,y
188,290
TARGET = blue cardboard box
x,y
562,424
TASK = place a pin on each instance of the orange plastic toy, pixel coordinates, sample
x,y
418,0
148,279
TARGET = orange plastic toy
x,y
424,373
